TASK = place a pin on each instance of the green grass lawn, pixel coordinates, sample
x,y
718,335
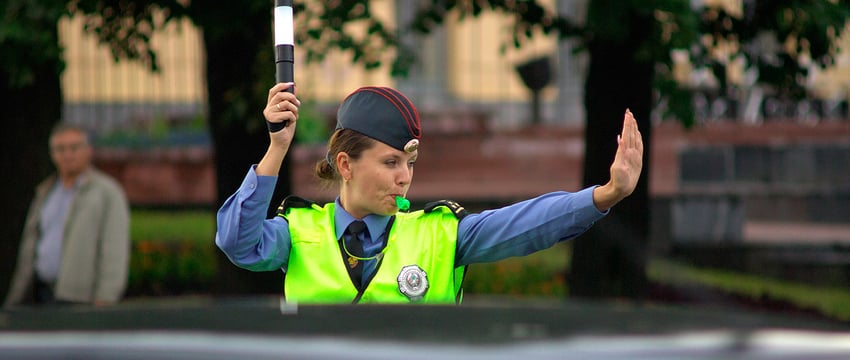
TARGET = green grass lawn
x,y
833,302
173,252
168,226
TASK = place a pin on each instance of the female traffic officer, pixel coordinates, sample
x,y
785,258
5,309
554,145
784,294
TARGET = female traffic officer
x,y
361,248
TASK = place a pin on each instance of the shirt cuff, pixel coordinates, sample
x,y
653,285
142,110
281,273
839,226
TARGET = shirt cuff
x,y
587,198
257,187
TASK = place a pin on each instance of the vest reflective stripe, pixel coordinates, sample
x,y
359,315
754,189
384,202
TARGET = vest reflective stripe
x,y
316,272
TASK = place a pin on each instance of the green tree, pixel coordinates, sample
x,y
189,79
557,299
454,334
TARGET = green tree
x,y
630,54
30,64
629,44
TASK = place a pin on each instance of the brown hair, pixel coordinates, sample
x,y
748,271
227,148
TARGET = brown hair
x,y
349,141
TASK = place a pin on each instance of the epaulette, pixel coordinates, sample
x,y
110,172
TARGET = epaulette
x,y
293,201
459,211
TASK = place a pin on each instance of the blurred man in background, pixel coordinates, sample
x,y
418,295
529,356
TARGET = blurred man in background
x,y
75,246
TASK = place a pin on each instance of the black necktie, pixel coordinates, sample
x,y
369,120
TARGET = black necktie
x,y
355,247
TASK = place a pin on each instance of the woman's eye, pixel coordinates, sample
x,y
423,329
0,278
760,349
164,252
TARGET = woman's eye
x,y
411,163
390,162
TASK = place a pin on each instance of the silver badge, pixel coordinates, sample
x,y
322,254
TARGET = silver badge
x,y
412,282
411,146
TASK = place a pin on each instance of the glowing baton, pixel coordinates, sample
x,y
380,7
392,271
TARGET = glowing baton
x,y
284,48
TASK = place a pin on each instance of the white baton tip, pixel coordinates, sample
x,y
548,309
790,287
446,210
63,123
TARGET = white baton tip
x,y
284,31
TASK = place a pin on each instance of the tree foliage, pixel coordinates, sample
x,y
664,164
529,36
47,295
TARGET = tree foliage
x,y
23,27
779,40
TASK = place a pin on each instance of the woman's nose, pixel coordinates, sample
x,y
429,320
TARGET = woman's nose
x,y
406,174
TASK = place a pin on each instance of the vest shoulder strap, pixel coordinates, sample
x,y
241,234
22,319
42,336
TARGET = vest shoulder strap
x,y
293,201
456,209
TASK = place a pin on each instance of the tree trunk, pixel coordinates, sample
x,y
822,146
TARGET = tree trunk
x,y
236,55
28,114
610,259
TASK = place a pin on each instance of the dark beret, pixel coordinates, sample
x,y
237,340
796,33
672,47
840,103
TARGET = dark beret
x,y
383,114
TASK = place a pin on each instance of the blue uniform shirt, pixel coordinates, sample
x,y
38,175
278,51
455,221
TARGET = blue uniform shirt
x,y
255,243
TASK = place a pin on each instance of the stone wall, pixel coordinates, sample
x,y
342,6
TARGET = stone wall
x,y
724,185
462,159
162,177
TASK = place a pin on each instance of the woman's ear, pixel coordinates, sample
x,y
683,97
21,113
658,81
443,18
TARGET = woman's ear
x,y
343,165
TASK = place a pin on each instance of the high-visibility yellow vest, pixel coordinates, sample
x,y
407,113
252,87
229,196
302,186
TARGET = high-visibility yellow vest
x,y
418,264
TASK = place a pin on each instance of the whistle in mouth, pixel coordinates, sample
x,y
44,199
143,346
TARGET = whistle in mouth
x,y
402,203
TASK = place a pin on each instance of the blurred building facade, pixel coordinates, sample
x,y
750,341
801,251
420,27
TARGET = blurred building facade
x,y
465,66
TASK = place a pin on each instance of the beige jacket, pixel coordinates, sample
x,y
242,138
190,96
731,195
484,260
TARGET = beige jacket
x,y
95,248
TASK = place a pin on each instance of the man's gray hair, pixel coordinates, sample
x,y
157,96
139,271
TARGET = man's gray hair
x,y
64,126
